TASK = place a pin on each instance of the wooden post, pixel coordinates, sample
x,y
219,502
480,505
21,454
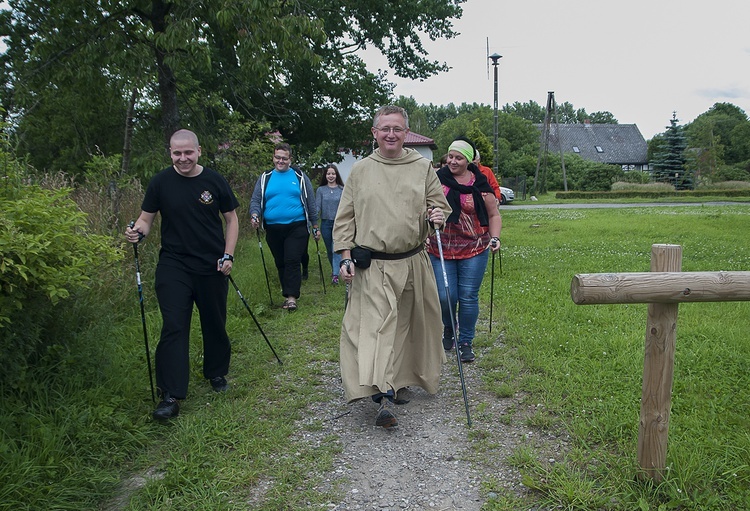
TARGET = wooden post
x,y
663,288
658,371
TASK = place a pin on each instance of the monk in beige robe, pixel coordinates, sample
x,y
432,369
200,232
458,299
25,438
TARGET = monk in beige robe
x,y
392,329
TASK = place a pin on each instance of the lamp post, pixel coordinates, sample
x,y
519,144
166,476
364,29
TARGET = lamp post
x,y
495,57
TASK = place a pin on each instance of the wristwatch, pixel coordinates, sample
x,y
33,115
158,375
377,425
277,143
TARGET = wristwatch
x,y
226,257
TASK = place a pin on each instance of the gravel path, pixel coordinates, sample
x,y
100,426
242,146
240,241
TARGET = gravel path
x,y
431,460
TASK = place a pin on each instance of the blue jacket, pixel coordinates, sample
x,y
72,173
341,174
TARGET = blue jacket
x,y
306,197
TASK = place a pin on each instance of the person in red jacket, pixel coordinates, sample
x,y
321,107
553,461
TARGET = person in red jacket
x,y
489,175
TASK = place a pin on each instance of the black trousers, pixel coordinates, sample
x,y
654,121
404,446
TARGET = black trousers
x,y
177,290
287,243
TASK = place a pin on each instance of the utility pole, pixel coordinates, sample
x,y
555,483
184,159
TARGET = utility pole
x,y
495,57
544,146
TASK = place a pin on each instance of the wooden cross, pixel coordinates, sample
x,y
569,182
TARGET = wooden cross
x,y
663,289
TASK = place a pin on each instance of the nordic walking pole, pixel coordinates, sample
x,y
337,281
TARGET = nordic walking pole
x,y
254,318
500,251
268,283
143,312
320,264
453,325
492,286
346,294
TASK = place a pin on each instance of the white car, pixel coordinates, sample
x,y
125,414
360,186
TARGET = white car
x,y
507,195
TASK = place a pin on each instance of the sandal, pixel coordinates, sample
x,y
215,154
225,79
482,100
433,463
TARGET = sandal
x,y
289,305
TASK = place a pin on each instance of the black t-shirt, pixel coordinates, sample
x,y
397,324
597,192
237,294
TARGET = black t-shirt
x,y
192,230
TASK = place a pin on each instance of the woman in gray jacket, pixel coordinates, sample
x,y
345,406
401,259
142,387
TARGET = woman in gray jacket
x,y
327,198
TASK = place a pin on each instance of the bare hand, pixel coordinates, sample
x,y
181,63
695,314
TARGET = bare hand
x,y
224,266
133,235
346,271
435,216
495,244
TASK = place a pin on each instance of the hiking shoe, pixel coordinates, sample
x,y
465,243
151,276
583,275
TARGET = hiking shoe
x,y
448,340
219,384
385,417
335,280
167,408
465,352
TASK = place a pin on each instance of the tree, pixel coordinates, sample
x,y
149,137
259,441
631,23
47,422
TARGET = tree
x,y
438,114
417,118
717,128
566,113
707,150
531,111
292,63
483,143
459,126
669,161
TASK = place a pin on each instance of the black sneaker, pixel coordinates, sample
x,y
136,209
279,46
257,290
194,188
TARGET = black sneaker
x,y
167,408
385,417
448,339
465,353
219,384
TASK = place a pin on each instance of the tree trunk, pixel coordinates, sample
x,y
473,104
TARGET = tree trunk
x,y
126,146
170,112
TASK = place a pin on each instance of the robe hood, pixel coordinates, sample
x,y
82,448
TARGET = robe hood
x,y
407,156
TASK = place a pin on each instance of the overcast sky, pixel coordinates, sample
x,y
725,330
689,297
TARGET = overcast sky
x,y
638,59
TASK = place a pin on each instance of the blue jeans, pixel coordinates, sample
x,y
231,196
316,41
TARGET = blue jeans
x,y
464,278
326,230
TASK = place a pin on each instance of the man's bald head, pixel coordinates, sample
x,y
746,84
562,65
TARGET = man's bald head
x,y
184,136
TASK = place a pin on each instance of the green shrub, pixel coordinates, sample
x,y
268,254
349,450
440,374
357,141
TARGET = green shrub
x,y
726,185
46,254
633,186
737,172
636,176
651,194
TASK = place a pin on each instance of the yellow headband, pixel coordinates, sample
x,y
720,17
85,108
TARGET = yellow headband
x,y
464,148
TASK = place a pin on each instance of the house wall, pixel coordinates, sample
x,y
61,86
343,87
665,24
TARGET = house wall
x,y
345,165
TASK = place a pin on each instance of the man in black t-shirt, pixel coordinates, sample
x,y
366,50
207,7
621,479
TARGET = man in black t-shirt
x,y
195,258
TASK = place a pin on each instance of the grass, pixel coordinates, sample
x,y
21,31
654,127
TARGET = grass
x,y
550,198
584,363
83,426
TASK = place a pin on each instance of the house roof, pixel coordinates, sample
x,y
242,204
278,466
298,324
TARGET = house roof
x,y
619,144
415,139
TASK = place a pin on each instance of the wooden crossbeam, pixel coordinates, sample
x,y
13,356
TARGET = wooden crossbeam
x,y
663,288
660,287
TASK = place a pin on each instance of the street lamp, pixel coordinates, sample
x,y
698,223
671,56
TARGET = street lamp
x,y
495,57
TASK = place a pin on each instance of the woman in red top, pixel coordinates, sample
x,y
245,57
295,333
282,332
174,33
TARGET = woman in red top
x,y
472,228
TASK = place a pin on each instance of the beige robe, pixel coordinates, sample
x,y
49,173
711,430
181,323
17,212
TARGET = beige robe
x,y
392,329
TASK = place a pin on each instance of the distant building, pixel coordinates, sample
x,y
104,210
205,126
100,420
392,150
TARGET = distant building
x,y
616,144
424,145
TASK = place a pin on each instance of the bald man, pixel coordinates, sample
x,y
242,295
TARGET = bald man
x,y
197,206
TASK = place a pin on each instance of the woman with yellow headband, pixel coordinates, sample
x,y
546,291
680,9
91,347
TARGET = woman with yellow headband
x,y
471,229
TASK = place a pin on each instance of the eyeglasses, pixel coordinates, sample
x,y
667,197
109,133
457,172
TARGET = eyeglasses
x,y
281,158
396,130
